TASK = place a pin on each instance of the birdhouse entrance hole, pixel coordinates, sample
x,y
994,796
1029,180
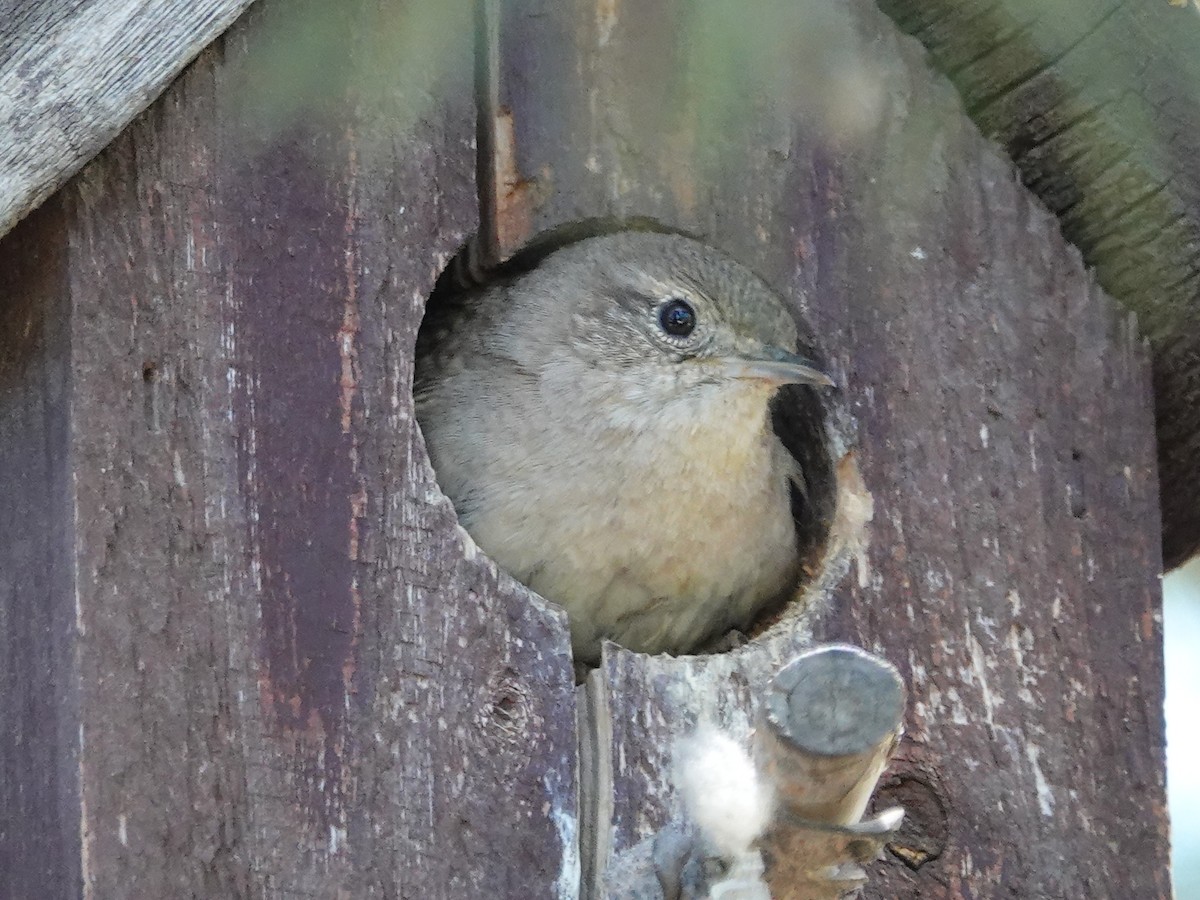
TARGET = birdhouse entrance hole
x,y
492,464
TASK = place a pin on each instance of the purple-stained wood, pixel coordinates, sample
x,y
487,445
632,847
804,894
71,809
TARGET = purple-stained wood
x,y
1003,414
294,675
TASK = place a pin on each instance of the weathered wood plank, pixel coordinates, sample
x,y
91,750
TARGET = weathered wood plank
x,y
1003,413
295,676
73,74
39,791
1098,104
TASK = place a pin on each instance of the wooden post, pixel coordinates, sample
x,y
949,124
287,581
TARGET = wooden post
x,y
826,727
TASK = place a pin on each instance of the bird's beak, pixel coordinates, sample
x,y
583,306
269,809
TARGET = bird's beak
x,y
777,367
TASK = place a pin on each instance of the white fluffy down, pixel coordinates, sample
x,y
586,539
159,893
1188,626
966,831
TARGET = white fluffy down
x,y
722,791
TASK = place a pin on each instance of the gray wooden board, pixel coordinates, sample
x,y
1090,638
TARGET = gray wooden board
x,y
1004,429
1098,103
295,677
73,74
39,790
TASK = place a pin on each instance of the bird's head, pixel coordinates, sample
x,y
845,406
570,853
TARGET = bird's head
x,y
660,318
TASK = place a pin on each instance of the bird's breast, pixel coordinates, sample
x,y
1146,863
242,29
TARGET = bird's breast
x,y
668,533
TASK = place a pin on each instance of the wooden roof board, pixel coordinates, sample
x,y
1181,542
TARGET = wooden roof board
x,y
73,73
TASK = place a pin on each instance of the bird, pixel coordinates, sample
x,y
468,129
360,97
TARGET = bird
x,y
601,422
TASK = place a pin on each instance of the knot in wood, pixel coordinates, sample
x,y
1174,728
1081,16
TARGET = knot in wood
x,y
507,711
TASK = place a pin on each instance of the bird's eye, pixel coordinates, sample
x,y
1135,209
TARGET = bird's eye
x,y
677,318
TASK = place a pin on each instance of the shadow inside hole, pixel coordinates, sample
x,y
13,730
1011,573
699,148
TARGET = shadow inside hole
x,y
800,414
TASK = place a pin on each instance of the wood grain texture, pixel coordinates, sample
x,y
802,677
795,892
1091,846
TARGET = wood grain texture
x,y
1004,429
1098,102
73,74
295,676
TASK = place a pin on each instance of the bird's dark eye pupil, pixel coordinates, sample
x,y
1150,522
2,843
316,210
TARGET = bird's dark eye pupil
x,y
677,318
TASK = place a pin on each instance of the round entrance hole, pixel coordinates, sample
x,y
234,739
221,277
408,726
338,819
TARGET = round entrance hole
x,y
635,426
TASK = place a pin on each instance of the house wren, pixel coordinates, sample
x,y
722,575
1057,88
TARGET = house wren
x,y
601,424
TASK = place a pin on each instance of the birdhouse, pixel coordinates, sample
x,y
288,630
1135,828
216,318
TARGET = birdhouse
x,y
247,649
